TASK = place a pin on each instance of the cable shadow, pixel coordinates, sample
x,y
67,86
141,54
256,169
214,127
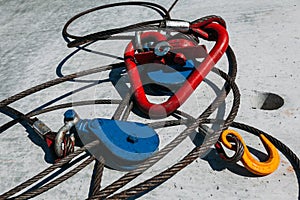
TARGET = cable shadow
x,y
119,79
69,94
49,156
218,164
58,172
78,49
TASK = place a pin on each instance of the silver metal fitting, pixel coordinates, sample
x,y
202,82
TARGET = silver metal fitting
x,y
59,144
176,25
70,119
162,48
138,41
41,128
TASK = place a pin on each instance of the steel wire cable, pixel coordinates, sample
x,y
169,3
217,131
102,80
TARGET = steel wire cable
x,y
24,93
79,40
37,88
75,103
57,181
127,105
96,177
47,171
117,101
133,174
287,152
158,8
194,154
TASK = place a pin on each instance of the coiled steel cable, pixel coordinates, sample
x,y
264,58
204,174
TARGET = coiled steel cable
x,y
47,171
133,174
79,40
195,153
151,183
56,81
80,103
42,87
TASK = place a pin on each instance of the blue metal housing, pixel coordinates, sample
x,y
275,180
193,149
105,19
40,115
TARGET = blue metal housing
x,y
124,145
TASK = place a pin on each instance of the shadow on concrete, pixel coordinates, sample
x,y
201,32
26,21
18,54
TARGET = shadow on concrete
x,y
218,164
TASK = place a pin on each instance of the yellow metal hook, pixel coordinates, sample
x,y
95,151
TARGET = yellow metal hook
x,y
250,163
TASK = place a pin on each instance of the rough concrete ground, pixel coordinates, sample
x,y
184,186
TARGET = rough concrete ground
x,y
265,36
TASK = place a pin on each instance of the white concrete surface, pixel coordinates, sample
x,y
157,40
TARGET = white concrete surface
x,y
264,34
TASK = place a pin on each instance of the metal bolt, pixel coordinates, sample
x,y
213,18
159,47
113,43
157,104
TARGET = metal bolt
x,y
132,139
70,115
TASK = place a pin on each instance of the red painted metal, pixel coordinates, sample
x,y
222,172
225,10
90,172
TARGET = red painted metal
x,y
173,103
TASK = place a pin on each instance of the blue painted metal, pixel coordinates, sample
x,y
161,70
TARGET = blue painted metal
x,y
172,75
124,145
69,114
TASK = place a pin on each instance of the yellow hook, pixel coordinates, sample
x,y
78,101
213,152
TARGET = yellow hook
x,y
250,163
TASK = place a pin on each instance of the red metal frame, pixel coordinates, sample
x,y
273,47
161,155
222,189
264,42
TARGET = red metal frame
x,y
173,103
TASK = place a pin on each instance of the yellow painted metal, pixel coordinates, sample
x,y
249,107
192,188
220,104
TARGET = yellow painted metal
x,y
250,163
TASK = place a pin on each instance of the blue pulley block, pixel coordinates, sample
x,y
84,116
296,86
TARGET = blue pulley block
x,y
124,145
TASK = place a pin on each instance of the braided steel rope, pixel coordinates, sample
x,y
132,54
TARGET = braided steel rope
x,y
125,107
57,181
157,124
215,104
97,177
131,175
60,107
47,171
56,81
195,153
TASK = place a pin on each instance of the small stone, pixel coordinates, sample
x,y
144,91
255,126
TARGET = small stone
x,y
218,187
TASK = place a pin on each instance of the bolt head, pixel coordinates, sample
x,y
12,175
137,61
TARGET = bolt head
x,y
132,139
70,115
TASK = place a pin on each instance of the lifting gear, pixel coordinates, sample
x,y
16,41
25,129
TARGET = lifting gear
x,y
162,54
250,163
122,144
